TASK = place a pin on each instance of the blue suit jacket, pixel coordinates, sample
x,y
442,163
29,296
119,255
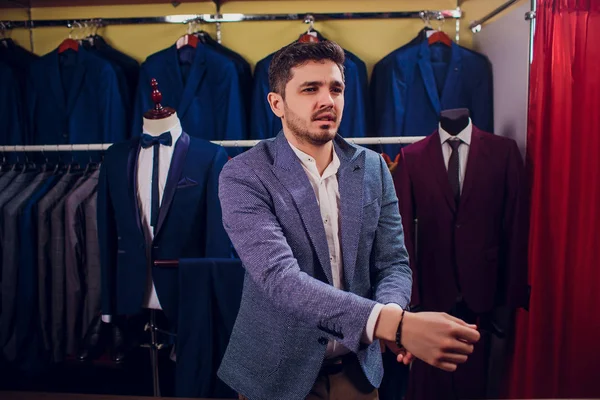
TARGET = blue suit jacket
x,y
189,223
209,105
264,124
289,309
10,108
414,83
90,110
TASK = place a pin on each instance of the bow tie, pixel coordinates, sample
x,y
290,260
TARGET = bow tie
x,y
148,140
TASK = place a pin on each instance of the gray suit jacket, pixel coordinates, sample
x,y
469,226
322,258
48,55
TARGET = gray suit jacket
x,y
290,309
91,301
10,263
7,178
75,258
44,212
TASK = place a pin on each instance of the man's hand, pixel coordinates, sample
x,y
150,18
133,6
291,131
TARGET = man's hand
x,y
436,338
439,339
402,356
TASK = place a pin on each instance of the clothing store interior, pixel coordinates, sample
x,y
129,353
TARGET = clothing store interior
x,y
101,295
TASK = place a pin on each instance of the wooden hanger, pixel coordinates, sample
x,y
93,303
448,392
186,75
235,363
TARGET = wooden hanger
x,y
311,36
188,39
69,43
439,36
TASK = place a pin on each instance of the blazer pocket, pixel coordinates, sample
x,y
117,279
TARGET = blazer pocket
x,y
186,183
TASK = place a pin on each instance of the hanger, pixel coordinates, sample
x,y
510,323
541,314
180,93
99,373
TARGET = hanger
x,y
91,166
439,36
73,166
311,36
3,38
69,43
188,39
201,34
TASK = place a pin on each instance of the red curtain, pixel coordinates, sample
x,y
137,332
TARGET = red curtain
x,y
557,344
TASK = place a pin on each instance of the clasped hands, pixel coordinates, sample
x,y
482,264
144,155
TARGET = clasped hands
x,y
438,339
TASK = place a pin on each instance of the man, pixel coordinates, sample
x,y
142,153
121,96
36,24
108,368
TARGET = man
x,y
316,224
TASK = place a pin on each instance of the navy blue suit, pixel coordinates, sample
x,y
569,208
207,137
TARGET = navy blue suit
x,y
189,223
74,97
10,110
264,124
204,89
210,295
414,83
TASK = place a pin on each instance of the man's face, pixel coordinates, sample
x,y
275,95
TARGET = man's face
x,y
314,102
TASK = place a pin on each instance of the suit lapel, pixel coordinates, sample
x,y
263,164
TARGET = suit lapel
x,y
175,170
196,74
132,173
452,78
77,80
428,77
55,81
436,157
290,173
350,183
174,77
477,156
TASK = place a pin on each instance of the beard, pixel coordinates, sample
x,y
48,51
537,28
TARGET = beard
x,y
301,130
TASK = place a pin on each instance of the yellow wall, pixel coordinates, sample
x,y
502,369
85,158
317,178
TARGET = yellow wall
x,y
369,39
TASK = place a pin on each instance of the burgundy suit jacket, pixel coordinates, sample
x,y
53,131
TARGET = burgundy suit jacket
x,y
478,249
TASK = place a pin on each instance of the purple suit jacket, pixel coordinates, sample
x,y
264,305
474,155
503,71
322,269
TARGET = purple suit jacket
x,y
478,249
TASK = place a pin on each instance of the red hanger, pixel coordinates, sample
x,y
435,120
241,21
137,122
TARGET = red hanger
x,y
188,40
308,38
440,37
68,44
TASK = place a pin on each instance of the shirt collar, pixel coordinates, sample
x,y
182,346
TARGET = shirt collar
x,y
175,133
310,164
464,136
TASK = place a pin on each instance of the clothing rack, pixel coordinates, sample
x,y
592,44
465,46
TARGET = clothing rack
x,y
235,17
224,143
475,26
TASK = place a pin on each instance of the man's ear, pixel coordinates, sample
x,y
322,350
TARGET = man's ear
x,y
276,102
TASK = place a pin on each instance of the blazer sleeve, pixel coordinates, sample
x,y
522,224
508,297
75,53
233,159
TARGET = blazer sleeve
x,y
406,205
482,102
261,115
258,238
107,241
390,271
229,105
218,244
516,231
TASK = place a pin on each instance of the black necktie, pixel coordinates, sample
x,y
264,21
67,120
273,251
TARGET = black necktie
x,y
155,141
454,169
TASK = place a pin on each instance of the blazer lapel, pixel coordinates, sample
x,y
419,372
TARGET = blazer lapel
x,y
77,80
290,173
174,77
450,90
475,162
434,150
55,81
196,74
350,183
175,170
428,77
132,173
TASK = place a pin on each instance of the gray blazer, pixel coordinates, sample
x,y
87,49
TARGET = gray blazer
x,y
290,309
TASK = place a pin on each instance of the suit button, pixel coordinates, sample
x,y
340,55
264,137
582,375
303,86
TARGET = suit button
x,y
323,340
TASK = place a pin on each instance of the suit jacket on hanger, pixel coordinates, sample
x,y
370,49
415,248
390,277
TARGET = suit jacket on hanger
x,y
74,97
189,223
478,246
209,103
11,114
413,84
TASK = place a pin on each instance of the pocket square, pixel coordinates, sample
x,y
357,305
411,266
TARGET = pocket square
x,y
186,182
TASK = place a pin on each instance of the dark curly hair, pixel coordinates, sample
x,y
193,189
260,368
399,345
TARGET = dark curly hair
x,y
296,54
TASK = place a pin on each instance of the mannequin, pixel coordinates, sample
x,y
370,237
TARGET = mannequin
x,y
155,127
454,121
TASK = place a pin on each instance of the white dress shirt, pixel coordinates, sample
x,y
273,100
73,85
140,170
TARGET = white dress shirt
x,y
463,149
328,197
144,198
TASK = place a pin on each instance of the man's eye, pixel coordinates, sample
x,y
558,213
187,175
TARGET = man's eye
x,y
310,89
337,90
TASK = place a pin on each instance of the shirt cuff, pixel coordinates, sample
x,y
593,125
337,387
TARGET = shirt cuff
x,y
369,332
107,318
